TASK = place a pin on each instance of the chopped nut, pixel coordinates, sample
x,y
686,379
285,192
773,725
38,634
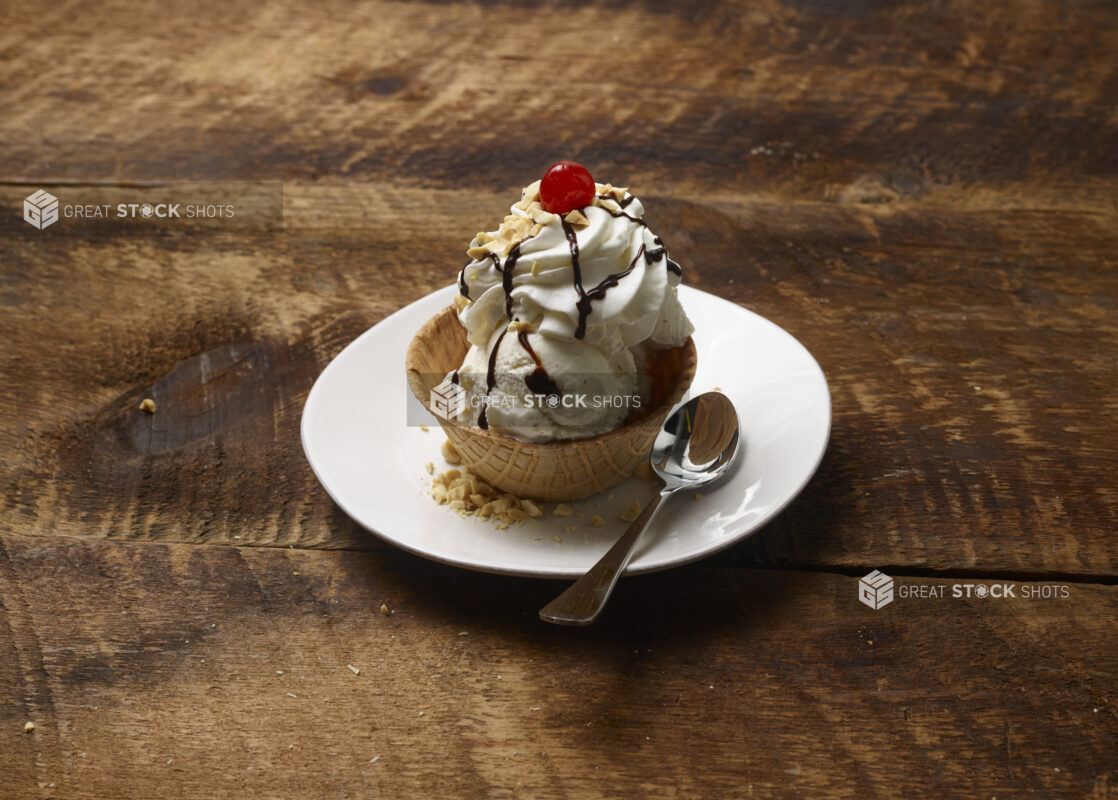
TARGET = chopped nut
x,y
457,492
516,326
384,609
483,237
291,694
531,192
541,216
608,203
430,468
28,726
535,269
632,512
562,510
450,453
576,217
513,229
557,539
148,405
424,428
597,521
535,230
478,252
463,493
353,669
698,495
460,302
618,192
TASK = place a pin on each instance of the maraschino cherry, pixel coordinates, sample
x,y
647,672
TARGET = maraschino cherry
x,y
566,186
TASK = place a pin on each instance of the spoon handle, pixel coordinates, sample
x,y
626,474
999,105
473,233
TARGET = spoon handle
x,y
583,600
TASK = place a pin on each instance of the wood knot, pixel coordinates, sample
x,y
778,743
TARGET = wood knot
x,y
206,394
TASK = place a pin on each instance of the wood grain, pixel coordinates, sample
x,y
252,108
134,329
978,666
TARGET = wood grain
x,y
799,97
152,670
924,194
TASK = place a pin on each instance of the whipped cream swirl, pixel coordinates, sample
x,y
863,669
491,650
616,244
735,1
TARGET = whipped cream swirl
x,y
597,275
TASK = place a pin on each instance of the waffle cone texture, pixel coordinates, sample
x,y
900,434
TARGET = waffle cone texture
x,y
554,471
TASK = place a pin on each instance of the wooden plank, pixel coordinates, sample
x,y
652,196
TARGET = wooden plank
x,y
969,354
154,670
806,98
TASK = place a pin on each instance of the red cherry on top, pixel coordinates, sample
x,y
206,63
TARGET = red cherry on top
x,y
566,186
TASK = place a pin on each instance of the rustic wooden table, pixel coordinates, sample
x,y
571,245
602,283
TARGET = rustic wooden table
x,y
926,195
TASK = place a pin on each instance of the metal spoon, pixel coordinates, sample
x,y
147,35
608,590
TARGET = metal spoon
x,y
696,446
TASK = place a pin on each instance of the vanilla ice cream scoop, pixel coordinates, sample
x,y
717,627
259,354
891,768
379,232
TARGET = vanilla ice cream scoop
x,y
556,307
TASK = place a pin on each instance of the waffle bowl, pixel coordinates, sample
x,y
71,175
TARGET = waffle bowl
x,y
553,471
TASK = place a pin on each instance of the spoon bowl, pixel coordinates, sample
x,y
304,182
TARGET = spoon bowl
x,y
698,443
696,446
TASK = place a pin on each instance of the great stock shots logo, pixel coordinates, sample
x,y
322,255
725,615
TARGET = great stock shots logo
x,y
448,399
40,209
876,590
151,209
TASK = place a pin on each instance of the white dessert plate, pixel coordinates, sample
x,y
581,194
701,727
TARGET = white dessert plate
x,y
372,463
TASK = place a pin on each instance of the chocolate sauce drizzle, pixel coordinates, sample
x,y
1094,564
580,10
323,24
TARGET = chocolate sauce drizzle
x,y
539,381
506,273
652,255
463,289
585,298
490,379
662,251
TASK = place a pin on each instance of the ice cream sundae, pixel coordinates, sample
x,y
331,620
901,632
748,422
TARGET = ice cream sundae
x,y
572,331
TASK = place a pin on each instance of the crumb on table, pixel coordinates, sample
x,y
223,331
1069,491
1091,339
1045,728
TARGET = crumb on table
x,y
148,405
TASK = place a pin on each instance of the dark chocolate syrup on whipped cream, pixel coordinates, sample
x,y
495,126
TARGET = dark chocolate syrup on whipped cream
x,y
539,381
586,297
506,273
